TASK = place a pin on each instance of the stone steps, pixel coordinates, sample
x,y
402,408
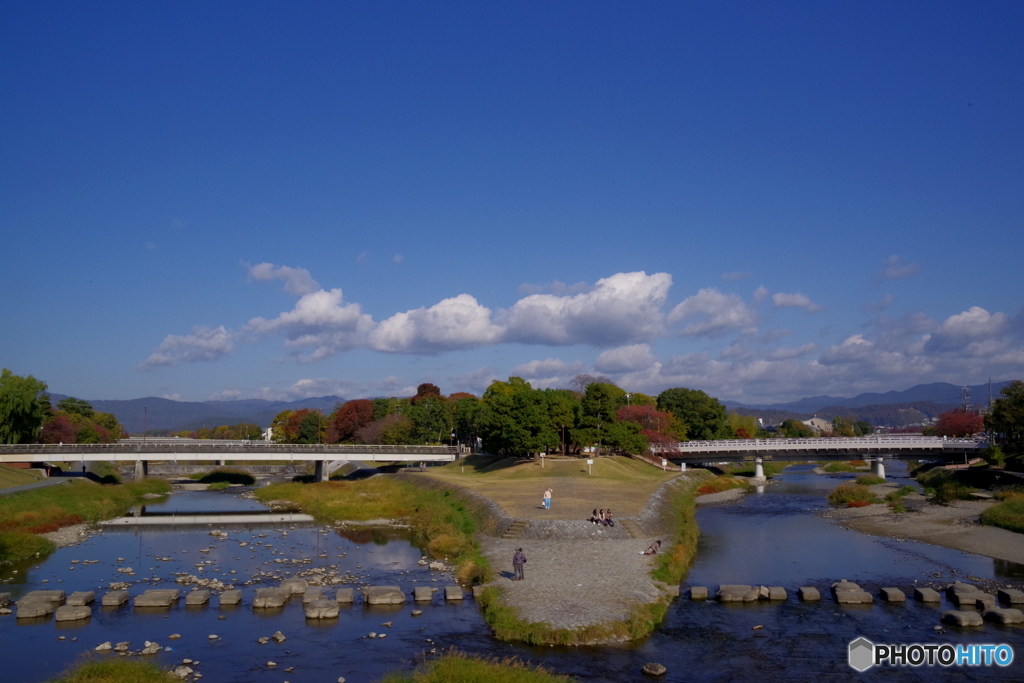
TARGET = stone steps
x,y
632,528
515,529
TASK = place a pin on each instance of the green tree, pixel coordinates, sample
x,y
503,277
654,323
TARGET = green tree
x,y
382,407
625,437
743,426
703,416
795,429
1006,418
311,427
513,419
597,412
21,408
841,427
863,427
76,406
431,419
561,408
465,418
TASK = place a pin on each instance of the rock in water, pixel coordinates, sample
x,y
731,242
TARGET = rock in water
x,y
654,669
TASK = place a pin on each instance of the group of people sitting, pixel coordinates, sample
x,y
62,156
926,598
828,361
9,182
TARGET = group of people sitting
x,y
602,517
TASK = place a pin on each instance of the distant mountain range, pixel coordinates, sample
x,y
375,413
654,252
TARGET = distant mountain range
x,y
893,408
162,413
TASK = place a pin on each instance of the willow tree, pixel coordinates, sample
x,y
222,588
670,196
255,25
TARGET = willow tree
x,y
21,408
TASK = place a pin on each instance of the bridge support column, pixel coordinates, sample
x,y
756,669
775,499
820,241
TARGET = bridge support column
x,y
219,463
879,468
141,469
319,471
682,467
758,468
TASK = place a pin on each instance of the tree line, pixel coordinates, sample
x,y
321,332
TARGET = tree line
x,y
28,416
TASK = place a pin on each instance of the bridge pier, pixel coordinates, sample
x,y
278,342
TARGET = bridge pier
x,y
758,468
682,467
319,471
141,469
879,468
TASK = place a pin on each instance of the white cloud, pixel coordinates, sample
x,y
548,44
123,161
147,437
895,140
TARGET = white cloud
x,y
297,281
173,397
320,321
796,300
717,314
894,268
556,287
760,294
456,323
786,353
625,359
623,308
475,382
204,344
343,388
225,395
552,367
960,330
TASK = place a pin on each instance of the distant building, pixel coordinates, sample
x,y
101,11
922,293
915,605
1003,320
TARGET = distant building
x,y
819,425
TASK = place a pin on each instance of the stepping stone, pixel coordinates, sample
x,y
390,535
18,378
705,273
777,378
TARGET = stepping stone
x,y
927,595
1010,596
52,596
230,597
322,609
270,597
82,598
1003,615
966,599
777,593
753,595
422,594
156,598
198,597
29,609
114,598
312,594
294,586
698,592
452,593
345,595
72,613
962,619
854,598
960,586
809,594
732,592
478,590
893,595
383,595
985,601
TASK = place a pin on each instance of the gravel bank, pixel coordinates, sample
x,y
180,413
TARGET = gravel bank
x,y
70,535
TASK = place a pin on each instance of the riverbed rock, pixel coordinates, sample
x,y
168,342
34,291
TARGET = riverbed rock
x,y
123,646
182,671
732,592
961,618
698,592
270,597
151,648
30,609
1010,596
844,585
295,586
383,595
1003,615
777,593
762,592
345,595
453,592
82,598
927,595
72,613
322,609
5,599
103,647
809,594
198,597
654,669
890,594
422,594
4,611
231,597
278,637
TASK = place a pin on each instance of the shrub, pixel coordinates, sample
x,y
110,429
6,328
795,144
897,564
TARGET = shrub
x,y
994,456
218,486
944,487
848,493
17,546
456,667
1009,514
110,479
115,671
870,479
834,467
719,484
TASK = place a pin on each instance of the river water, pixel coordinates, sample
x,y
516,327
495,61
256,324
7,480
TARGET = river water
x,y
773,538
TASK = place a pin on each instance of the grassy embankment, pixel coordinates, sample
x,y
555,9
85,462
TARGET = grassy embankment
x,y
624,484
457,667
444,521
1009,513
838,466
746,468
25,514
115,670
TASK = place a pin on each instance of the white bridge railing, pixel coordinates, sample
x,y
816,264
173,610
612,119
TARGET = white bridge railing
x,y
892,443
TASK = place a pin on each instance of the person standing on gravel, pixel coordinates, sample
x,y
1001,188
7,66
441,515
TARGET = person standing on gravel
x,y
547,499
518,560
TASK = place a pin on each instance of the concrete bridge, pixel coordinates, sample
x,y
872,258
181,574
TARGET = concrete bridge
x,y
875,448
142,451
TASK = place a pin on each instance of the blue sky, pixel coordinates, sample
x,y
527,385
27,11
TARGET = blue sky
x,y
279,200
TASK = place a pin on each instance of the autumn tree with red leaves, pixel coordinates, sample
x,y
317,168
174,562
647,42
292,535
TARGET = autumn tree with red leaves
x,y
349,419
660,428
959,422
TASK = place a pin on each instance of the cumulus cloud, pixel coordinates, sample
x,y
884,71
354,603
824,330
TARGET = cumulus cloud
x,y
204,344
715,314
552,367
786,353
225,395
796,300
963,329
894,268
625,307
556,287
475,382
297,281
625,359
320,321
345,388
456,323
760,294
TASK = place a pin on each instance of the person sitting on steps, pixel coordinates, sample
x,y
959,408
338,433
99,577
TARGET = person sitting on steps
x,y
608,521
593,517
652,549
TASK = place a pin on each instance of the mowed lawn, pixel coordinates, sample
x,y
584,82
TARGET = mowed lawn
x,y
619,483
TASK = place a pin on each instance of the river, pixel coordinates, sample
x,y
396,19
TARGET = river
x,y
773,538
